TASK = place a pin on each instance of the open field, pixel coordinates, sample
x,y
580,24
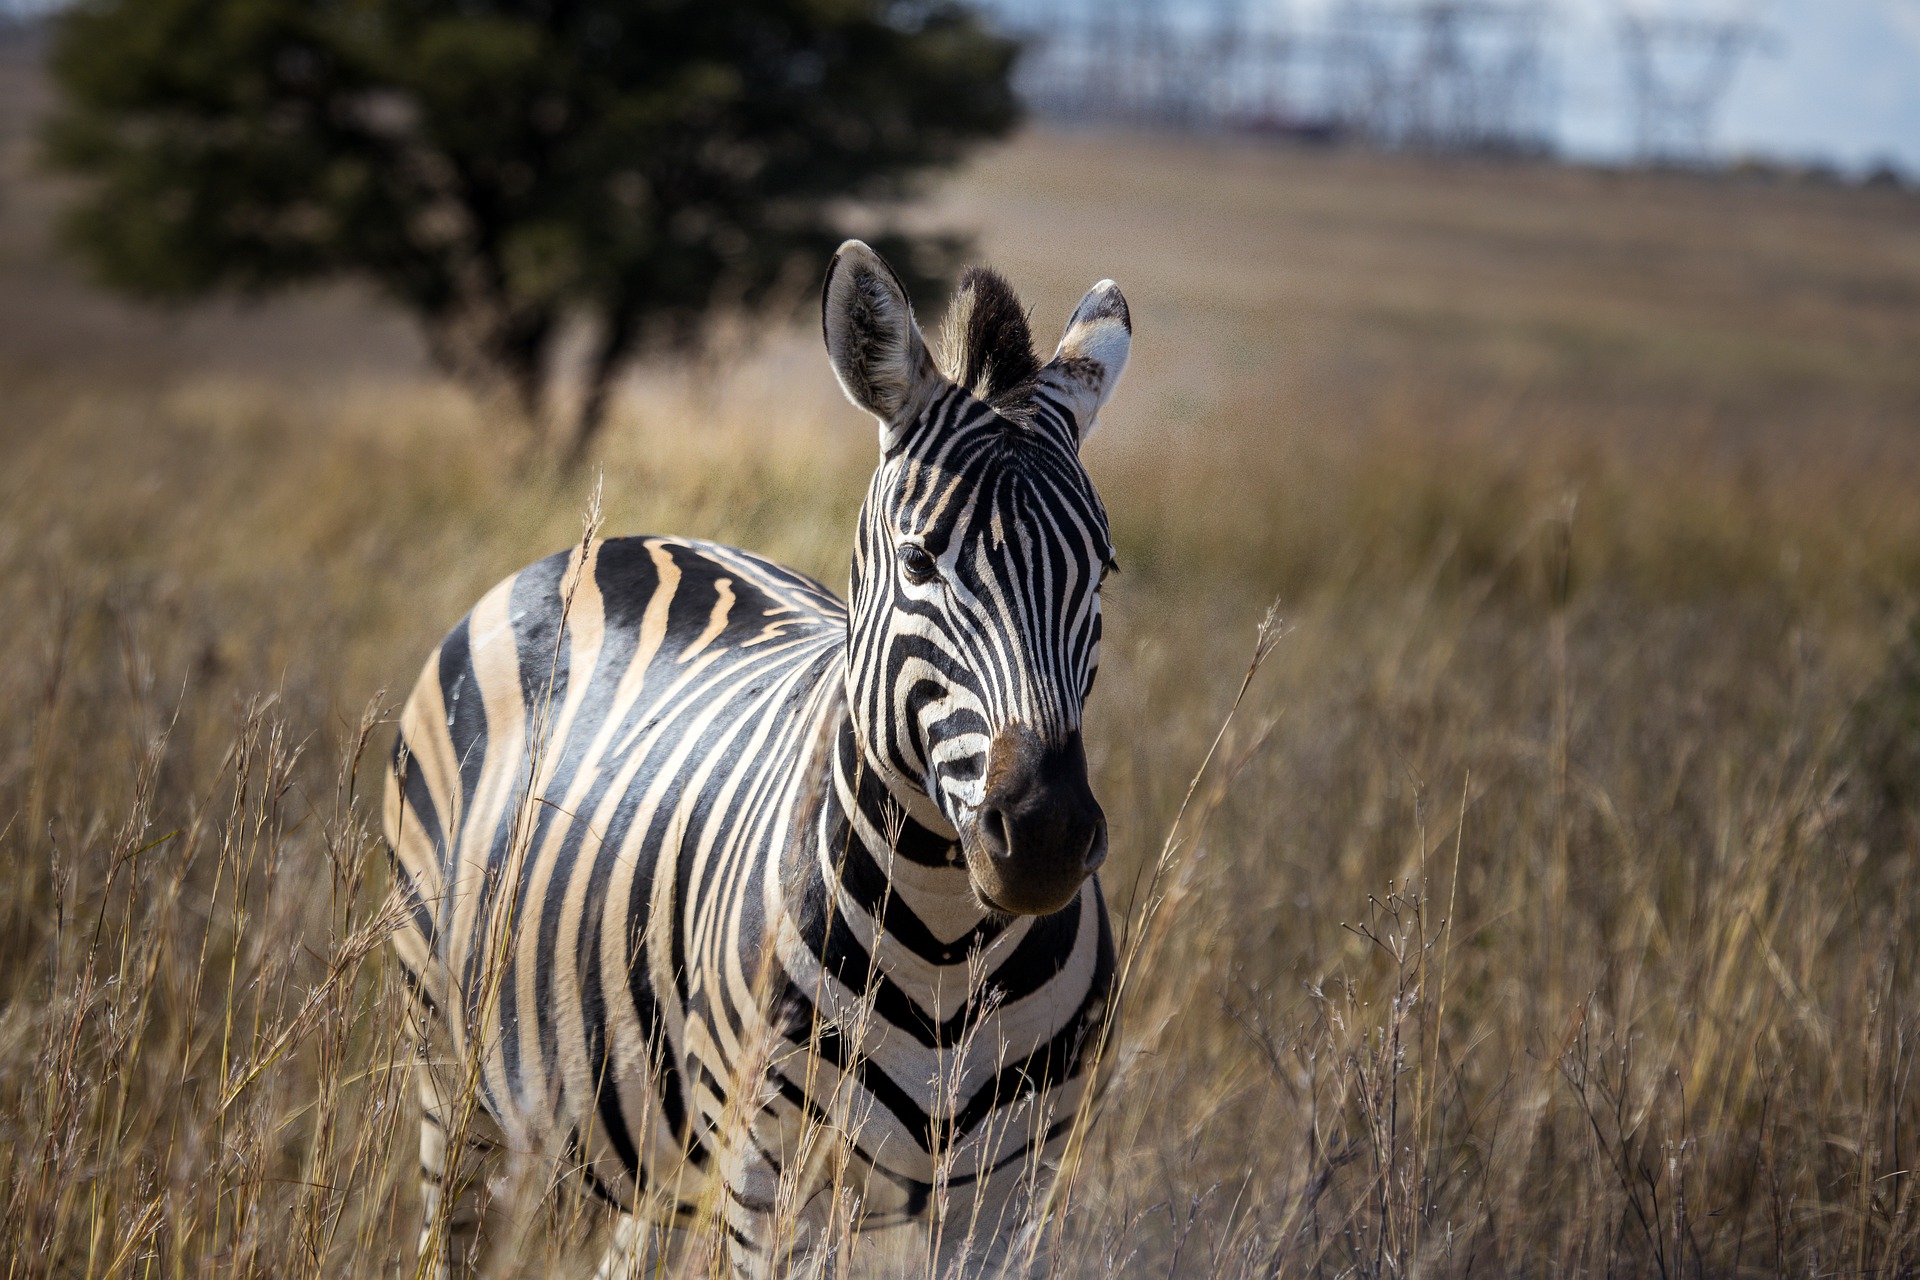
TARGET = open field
x,y
1550,906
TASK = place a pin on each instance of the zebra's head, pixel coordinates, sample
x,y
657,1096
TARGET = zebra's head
x,y
975,627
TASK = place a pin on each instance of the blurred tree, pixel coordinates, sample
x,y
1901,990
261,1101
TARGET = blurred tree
x,y
503,166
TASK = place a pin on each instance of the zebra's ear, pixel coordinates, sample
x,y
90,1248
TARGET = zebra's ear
x,y
1086,367
875,347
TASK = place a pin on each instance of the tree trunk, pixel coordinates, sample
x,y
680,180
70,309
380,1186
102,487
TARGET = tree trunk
x,y
496,354
518,351
610,352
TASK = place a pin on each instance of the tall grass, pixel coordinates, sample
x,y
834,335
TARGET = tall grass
x,y
1545,906
1540,909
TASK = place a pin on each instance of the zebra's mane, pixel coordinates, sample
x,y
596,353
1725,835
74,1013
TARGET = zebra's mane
x,y
986,347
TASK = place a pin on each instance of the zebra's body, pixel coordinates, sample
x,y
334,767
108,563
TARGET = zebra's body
x,y
693,858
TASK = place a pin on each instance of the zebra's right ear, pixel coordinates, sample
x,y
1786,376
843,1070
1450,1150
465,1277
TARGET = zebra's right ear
x,y
1092,353
873,343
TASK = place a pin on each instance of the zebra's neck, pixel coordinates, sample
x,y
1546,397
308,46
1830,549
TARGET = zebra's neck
x,y
894,875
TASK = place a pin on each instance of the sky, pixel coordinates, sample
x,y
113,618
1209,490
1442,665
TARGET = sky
x,y
1828,80
1834,80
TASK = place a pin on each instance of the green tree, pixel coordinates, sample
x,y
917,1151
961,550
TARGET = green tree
x,y
503,167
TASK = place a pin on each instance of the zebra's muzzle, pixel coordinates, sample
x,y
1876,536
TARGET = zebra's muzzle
x,y
1039,832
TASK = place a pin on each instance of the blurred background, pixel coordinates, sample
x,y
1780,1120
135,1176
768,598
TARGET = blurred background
x,y
1550,905
1822,87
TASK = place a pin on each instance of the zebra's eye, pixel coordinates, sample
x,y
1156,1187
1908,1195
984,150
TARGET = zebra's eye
x,y
1107,570
919,565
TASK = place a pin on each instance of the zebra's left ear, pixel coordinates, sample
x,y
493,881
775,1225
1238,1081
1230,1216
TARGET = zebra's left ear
x,y
1086,367
875,347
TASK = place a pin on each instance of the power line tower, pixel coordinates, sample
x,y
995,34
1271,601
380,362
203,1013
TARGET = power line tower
x,y
1190,64
1440,75
1443,75
1678,70
1094,59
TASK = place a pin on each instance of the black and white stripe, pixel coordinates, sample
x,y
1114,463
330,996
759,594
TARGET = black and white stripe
x,y
703,865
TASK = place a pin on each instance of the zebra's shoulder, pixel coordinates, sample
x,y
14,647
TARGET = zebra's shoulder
x,y
690,591
630,572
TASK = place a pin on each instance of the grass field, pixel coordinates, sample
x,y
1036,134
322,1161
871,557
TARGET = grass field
x,y
1549,906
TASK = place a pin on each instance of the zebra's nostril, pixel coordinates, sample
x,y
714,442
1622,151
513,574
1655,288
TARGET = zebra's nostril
x,y
1097,847
993,834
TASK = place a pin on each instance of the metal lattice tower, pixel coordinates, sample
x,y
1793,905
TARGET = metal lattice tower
x,y
1432,74
1678,71
1449,75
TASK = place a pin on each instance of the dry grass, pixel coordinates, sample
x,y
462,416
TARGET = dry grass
x,y
1548,905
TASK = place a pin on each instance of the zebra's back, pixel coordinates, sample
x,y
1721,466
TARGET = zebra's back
x,y
596,778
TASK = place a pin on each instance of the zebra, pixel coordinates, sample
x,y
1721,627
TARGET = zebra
x,y
698,864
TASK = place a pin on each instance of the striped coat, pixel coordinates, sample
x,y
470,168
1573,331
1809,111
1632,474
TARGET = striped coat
x,y
737,904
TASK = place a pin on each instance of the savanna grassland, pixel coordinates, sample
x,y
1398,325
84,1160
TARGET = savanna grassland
x,y
1547,907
